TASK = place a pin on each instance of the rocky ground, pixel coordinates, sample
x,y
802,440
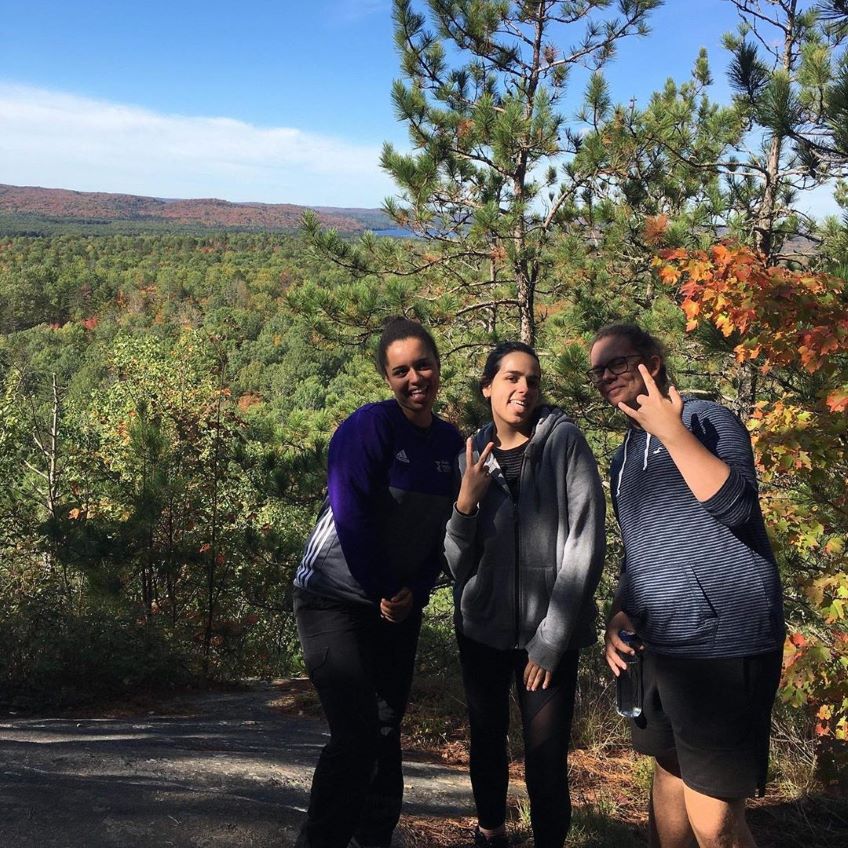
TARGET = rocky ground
x,y
214,769
233,768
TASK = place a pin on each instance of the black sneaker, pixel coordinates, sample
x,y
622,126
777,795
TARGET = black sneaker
x,y
483,841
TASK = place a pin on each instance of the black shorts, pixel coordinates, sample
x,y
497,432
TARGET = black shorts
x,y
714,715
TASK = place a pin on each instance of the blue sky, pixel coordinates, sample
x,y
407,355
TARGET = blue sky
x,y
276,101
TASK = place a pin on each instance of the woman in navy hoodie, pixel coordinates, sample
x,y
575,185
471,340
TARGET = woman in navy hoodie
x,y
367,570
699,585
525,544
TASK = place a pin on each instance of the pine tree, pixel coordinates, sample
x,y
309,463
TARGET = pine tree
x,y
791,85
487,183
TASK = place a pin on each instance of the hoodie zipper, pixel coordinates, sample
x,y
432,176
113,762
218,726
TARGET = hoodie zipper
x,y
517,578
517,535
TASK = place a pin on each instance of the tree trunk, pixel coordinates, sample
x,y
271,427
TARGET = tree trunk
x,y
764,227
526,304
746,390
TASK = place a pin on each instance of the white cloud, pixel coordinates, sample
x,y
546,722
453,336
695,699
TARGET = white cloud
x,y
60,140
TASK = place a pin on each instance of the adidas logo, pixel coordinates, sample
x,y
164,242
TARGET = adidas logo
x,y
401,456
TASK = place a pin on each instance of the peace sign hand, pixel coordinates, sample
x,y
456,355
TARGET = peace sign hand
x,y
655,413
475,479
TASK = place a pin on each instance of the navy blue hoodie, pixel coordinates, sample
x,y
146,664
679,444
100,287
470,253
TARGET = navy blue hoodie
x,y
698,579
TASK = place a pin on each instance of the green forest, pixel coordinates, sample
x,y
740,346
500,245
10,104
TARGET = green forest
x,y
167,397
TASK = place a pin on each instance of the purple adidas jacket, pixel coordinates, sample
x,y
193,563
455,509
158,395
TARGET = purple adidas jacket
x,y
390,489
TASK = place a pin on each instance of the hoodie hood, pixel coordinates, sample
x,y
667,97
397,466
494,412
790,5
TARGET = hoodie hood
x,y
547,417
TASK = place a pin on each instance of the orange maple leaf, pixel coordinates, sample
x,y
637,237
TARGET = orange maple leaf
x,y
669,275
837,401
798,640
690,309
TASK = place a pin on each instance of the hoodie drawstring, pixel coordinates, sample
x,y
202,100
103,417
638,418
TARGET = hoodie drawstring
x,y
623,463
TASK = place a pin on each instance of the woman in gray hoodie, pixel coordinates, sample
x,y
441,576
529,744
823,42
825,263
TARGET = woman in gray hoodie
x,y
525,545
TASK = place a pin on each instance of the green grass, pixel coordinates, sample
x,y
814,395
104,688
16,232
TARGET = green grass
x,y
596,826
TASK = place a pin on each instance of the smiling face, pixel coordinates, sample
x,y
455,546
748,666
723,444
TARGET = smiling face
x,y
611,354
514,393
413,376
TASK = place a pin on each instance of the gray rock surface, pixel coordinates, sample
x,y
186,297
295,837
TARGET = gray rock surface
x,y
228,770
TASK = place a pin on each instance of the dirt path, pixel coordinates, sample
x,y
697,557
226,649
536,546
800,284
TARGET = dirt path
x,y
232,770
223,769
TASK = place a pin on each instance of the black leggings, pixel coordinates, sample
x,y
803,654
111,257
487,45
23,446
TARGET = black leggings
x,y
546,719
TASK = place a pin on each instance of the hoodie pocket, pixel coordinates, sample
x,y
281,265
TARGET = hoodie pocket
x,y
481,596
537,586
674,612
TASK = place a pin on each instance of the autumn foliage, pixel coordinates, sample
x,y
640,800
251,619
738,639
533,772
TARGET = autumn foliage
x,y
784,318
792,327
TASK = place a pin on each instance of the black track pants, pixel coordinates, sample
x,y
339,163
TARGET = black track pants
x,y
361,666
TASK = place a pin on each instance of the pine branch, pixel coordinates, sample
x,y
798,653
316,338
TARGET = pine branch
x,y
467,346
487,305
746,7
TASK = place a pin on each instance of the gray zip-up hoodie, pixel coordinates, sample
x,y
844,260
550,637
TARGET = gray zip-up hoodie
x,y
525,573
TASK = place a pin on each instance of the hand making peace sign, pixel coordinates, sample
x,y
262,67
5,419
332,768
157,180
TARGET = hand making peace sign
x,y
475,479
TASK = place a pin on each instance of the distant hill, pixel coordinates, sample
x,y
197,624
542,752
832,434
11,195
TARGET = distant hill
x,y
33,210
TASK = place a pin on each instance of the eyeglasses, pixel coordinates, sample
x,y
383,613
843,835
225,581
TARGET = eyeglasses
x,y
615,366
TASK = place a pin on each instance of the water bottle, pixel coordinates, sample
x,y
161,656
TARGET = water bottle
x,y
628,684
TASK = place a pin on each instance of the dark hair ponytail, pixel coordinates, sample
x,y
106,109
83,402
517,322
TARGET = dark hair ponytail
x,y
397,329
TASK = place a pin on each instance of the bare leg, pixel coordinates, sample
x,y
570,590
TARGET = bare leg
x,y
718,823
668,821
489,833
